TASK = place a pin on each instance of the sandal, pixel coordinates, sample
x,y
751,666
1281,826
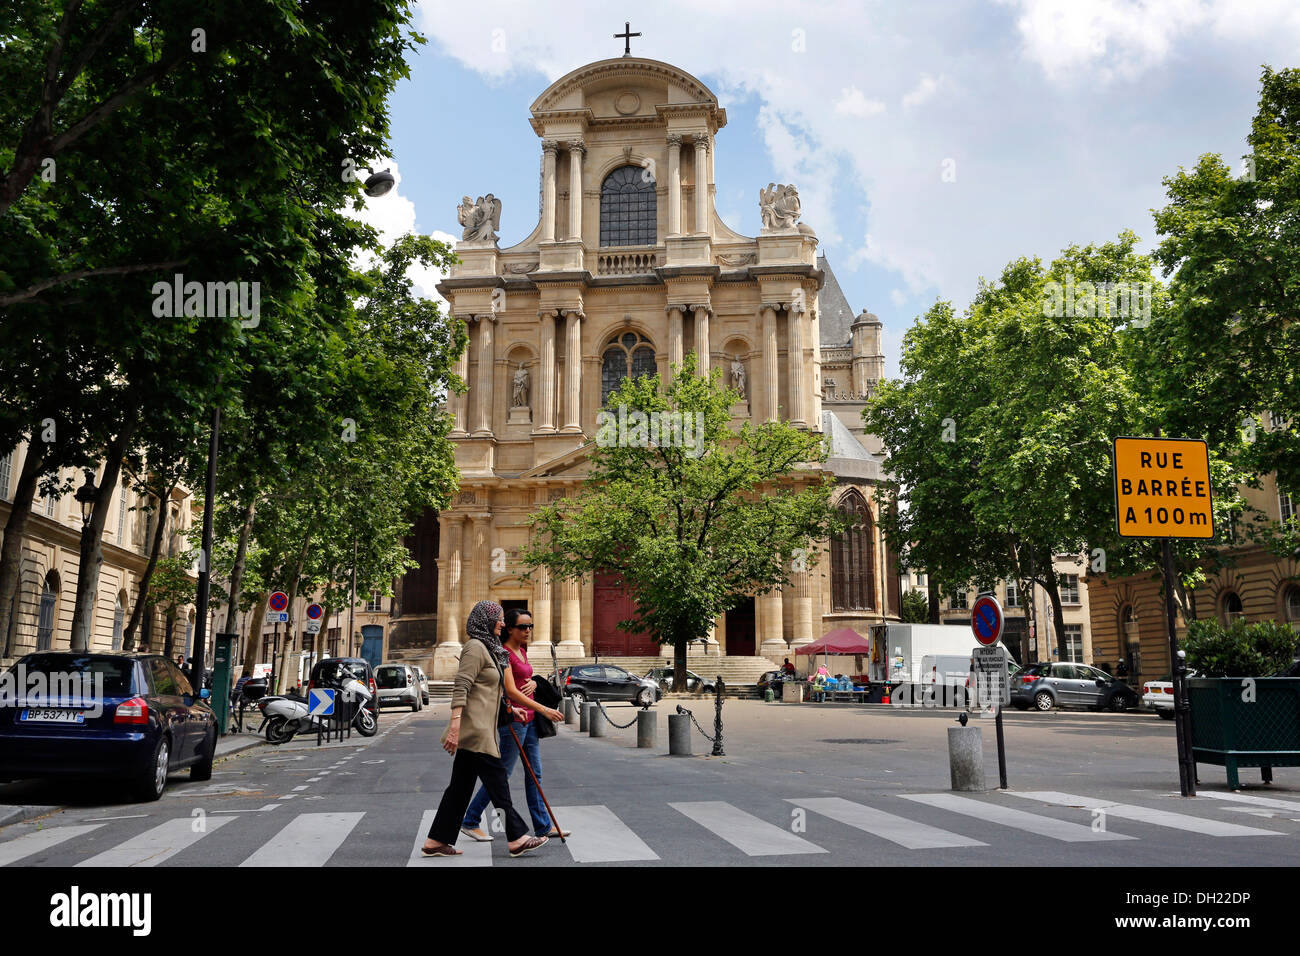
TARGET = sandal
x,y
557,832
478,836
529,845
443,850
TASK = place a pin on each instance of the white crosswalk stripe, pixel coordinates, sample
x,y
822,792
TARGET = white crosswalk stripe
x,y
472,853
1271,802
309,839
1018,819
599,837
31,843
906,833
154,846
744,831
1159,818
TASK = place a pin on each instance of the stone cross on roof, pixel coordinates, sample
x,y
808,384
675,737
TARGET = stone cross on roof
x,y
626,37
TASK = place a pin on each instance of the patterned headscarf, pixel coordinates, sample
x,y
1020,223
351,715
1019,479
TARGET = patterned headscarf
x,y
481,626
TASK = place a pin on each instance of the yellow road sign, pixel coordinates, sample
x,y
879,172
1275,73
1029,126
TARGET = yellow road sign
x,y
1162,488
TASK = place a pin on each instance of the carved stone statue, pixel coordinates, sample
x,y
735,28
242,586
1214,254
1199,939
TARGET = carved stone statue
x,y
520,396
779,206
481,218
828,389
738,376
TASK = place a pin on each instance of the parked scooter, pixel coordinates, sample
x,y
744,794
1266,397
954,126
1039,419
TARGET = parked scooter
x,y
287,716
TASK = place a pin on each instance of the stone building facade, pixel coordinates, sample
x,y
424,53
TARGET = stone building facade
x,y
628,270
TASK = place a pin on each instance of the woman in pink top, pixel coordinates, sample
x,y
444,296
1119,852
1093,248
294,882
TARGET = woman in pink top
x,y
519,688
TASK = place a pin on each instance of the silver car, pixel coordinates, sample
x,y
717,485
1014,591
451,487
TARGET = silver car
x,y
397,684
423,680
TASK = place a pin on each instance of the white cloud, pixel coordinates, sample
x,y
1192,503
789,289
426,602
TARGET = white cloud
x,y
853,102
924,90
897,296
393,216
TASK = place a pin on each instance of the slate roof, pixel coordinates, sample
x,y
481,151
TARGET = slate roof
x,y
836,315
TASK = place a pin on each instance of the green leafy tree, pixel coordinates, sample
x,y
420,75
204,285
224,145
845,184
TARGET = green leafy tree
x,y
916,608
692,521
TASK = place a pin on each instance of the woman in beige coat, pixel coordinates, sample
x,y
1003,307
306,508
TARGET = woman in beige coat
x,y
472,737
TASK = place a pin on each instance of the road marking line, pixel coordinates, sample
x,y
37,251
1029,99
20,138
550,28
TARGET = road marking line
x,y
1017,819
744,831
906,833
288,796
129,816
29,843
474,853
298,789
309,839
312,779
1159,818
269,806
154,846
601,837
1273,802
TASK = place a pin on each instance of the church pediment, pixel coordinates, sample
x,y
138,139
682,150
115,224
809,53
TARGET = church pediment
x,y
628,87
574,463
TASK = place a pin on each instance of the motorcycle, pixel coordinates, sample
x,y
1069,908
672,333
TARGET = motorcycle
x,y
286,716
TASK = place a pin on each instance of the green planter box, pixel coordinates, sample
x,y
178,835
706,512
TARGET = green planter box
x,y
1232,732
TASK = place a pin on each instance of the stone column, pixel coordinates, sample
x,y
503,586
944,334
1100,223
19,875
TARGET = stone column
x,y
771,379
549,148
460,402
482,540
486,361
572,370
570,619
546,373
771,627
542,610
803,616
815,372
701,185
576,149
451,611
674,339
794,373
674,184
703,350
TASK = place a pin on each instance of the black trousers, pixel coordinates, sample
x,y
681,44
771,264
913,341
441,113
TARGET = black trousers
x,y
466,770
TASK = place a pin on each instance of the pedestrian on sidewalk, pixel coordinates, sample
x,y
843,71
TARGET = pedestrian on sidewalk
x,y
471,736
520,688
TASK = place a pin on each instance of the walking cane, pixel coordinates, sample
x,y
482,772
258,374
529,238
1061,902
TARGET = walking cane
x,y
537,783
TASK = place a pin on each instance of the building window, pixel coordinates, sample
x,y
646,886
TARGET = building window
x,y
1285,506
45,620
626,354
853,565
117,623
1232,609
1069,589
958,601
121,515
1276,421
1292,607
1013,594
376,602
1074,643
6,474
628,208
50,501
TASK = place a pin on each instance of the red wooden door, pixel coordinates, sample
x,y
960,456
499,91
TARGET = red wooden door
x,y
614,604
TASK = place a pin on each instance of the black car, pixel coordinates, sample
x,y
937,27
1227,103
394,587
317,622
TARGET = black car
x,y
328,673
605,682
1063,684
128,716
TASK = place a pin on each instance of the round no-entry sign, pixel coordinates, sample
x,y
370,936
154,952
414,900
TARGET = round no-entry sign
x,y
314,611
279,601
986,620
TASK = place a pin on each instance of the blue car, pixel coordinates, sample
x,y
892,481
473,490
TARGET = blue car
x,y
131,717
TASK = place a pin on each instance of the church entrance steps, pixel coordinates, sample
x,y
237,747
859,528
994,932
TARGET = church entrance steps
x,y
735,670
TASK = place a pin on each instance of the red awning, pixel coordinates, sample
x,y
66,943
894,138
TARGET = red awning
x,y
845,640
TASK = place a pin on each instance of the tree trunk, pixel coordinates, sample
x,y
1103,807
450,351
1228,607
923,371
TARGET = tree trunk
x,y
679,664
92,552
253,640
932,593
142,591
1052,587
289,635
167,635
241,554
20,509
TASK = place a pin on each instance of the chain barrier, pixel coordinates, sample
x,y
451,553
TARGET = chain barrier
x,y
716,739
612,720
696,723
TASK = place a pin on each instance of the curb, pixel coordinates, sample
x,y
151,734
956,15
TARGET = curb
x,y
19,814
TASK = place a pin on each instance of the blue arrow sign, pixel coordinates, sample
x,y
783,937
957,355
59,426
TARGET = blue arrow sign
x,y
320,702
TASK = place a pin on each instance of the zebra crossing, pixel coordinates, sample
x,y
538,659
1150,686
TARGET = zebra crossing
x,y
600,835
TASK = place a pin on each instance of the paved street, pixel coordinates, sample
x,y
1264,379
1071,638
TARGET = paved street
x,y
801,784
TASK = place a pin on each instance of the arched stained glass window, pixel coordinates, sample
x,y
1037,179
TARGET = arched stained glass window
x,y
627,353
628,208
853,563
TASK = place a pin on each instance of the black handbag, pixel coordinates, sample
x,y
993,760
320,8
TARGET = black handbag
x,y
546,695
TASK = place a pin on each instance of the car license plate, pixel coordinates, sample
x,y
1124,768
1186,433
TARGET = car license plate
x,y
51,716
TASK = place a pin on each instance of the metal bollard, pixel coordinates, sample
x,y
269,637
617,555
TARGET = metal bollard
x,y
647,730
966,758
596,722
679,735
583,716
570,712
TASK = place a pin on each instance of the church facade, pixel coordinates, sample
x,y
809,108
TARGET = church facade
x,y
628,270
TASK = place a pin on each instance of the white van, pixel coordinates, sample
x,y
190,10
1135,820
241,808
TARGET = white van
x,y
943,679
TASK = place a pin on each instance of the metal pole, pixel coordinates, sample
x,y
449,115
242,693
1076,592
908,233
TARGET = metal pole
x,y
205,572
718,689
353,606
1002,750
1186,776
275,649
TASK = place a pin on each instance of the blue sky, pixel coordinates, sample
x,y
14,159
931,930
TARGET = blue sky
x,y
1055,120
